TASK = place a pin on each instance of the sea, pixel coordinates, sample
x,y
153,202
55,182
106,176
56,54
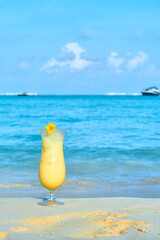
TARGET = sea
x,y
111,147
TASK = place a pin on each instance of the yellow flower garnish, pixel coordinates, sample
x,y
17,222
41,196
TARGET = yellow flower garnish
x,y
50,128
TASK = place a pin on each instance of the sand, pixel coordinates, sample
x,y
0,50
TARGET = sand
x,y
85,218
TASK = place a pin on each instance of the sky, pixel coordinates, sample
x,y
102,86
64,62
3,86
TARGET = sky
x,y
79,47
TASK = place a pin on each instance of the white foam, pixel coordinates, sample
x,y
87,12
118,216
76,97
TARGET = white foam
x,y
122,94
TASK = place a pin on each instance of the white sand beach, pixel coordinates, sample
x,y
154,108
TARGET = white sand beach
x,y
80,218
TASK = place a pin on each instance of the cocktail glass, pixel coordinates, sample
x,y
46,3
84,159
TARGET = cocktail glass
x,y
52,169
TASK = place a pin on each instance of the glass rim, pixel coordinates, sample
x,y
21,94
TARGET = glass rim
x,y
53,129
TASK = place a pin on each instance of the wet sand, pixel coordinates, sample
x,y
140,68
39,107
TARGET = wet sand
x,y
81,218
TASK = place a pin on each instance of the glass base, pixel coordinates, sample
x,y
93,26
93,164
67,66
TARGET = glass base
x,y
47,202
50,200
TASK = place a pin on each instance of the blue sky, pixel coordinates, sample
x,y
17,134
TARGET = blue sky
x,y
79,47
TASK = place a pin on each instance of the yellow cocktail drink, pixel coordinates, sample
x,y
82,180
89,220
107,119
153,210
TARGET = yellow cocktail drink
x,y
52,169
52,166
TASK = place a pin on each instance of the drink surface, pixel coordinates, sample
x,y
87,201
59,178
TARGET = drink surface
x,y
52,166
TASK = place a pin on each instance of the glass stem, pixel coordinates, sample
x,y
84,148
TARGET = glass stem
x,y
51,196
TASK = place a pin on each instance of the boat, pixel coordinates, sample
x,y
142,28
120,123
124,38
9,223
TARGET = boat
x,y
152,91
25,94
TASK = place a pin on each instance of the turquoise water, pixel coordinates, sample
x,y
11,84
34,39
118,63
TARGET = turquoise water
x,y
111,147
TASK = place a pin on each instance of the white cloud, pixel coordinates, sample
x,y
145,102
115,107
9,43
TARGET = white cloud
x,y
137,60
130,62
115,62
77,62
24,65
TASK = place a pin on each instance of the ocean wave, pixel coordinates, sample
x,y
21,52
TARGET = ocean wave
x,y
154,180
13,185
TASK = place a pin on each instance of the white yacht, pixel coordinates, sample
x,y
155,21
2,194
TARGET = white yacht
x,y
152,91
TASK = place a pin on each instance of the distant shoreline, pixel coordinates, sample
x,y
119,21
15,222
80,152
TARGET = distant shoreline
x,y
105,94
